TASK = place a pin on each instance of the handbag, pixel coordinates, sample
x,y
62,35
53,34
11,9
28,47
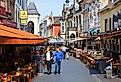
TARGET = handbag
x,y
52,61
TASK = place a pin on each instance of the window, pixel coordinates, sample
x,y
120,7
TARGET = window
x,y
113,1
2,4
106,24
62,28
17,1
74,21
80,20
23,3
71,24
68,24
16,16
77,21
110,24
20,3
76,34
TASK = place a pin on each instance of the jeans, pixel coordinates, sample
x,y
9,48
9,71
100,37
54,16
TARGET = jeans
x,y
49,66
57,66
38,68
64,53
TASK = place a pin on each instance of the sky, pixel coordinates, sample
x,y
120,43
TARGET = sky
x,y
46,6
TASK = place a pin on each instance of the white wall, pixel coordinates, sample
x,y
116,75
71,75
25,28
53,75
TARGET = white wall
x,y
45,26
35,19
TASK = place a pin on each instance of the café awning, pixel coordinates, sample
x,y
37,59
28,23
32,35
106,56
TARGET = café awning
x,y
10,35
78,39
110,35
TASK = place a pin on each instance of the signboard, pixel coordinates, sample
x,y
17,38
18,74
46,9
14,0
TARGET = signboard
x,y
23,14
23,21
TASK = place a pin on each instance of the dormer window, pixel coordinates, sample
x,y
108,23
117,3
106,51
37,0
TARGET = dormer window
x,y
113,1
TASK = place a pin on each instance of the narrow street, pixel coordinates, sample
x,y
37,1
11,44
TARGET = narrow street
x,y
72,71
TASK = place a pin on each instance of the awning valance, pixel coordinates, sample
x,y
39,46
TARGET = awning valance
x,y
110,35
4,40
10,35
78,39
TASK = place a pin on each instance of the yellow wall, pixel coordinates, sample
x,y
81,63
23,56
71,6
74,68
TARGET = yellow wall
x,y
109,13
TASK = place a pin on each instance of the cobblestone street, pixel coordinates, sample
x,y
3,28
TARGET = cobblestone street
x,y
72,71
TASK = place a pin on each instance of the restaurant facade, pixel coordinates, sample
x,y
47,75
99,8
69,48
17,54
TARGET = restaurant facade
x,y
111,28
16,47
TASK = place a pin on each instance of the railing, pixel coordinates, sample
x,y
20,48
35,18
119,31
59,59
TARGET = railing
x,y
72,29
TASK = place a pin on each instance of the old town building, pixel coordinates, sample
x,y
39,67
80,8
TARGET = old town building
x,y
7,12
110,26
33,19
72,18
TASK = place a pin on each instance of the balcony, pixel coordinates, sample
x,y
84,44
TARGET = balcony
x,y
72,29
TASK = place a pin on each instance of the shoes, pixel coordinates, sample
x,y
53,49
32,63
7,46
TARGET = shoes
x,y
48,73
58,72
55,72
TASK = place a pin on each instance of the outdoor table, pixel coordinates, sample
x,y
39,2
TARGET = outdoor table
x,y
90,62
102,58
17,77
26,73
116,66
101,63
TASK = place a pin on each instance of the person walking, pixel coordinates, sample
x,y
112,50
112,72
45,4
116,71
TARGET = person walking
x,y
37,61
64,48
58,58
48,60
41,52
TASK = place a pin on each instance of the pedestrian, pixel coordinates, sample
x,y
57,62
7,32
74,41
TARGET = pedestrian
x,y
41,60
58,58
64,48
48,60
37,61
67,54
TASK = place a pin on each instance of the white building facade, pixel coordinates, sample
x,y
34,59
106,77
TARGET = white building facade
x,y
33,19
45,22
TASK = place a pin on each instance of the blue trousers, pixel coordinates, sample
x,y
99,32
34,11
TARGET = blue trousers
x,y
57,66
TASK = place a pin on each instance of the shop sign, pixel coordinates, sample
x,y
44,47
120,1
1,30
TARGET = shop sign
x,y
23,21
94,31
23,14
8,23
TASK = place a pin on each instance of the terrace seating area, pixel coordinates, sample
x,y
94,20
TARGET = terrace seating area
x,y
95,60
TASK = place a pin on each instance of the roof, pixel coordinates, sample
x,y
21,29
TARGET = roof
x,y
32,9
10,35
